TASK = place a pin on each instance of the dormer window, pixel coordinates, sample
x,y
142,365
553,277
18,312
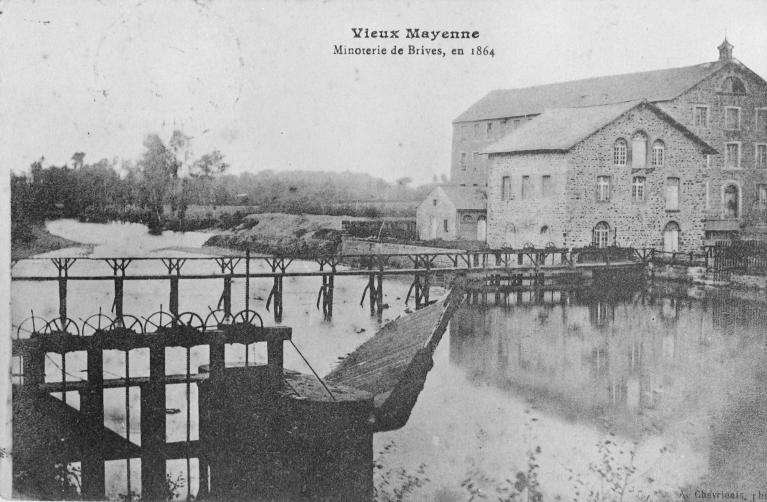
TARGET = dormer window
x,y
733,85
639,150
658,153
620,152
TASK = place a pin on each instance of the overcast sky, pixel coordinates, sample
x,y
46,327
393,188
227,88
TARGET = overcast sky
x,y
258,80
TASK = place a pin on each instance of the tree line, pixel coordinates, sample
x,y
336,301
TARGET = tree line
x,y
166,180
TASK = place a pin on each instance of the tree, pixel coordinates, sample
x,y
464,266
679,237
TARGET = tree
x,y
159,167
78,160
203,170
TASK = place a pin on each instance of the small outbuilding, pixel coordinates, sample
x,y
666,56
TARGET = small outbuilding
x,y
453,212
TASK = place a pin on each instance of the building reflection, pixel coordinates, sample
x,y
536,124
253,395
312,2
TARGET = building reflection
x,y
621,354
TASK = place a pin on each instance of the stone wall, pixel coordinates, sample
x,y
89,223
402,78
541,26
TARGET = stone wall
x,y
438,206
709,93
515,220
632,223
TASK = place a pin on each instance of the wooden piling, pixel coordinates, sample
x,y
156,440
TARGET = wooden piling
x,y
92,406
153,427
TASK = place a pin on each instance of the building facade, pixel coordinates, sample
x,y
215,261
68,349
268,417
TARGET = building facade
x,y
722,102
452,213
625,175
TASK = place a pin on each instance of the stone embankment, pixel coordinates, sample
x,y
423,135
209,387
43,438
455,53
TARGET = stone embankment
x,y
304,235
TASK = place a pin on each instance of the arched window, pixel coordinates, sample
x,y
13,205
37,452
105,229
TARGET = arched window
x,y
639,150
671,237
601,234
733,85
620,152
467,218
544,230
731,201
658,153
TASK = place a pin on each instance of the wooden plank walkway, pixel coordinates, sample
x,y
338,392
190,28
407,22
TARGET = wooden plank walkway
x,y
393,364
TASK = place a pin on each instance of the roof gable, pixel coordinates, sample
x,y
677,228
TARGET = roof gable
x,y
560,129
657,85
461,197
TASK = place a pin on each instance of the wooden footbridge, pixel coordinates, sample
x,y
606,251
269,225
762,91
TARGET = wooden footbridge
x,y
522,266
43,416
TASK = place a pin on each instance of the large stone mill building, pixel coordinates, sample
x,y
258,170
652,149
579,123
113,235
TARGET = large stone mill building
x,y
665,159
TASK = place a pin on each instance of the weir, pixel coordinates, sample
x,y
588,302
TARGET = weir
x,y
251,417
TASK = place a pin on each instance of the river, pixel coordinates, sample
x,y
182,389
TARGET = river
x,y
580,395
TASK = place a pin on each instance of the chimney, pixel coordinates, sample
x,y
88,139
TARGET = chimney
x,y
725,50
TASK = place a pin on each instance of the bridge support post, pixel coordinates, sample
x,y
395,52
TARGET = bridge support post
x,y
62,266
118,264
92,406
276,294
153,427
173,265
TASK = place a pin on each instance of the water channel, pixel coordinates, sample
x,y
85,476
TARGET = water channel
x,y
646,389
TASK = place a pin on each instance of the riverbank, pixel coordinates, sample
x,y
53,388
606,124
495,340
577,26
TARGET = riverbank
x,y
42,241
299,235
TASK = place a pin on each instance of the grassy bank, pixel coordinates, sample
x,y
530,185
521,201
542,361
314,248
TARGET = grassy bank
x,y
304,235
41,241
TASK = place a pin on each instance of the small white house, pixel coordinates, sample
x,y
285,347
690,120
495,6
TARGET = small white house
x,y
453,212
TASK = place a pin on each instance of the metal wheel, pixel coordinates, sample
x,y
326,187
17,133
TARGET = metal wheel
x,y
528,245
249,316
96,322
551,245
129,322
192,320
218,318
159,320
59,325
30,326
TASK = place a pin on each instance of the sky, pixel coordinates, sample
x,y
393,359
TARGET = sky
x,y
259,80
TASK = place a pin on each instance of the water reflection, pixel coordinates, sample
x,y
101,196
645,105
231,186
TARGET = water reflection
x,y
659,365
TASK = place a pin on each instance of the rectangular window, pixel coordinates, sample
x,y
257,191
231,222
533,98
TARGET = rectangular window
x,y
732,155
761,155
761,120
506,188
463,161
732,118
672,194
603,188
476,129
434,202
489,129
464,131
761,192
475,160
516,123
637,188
700,116
657,154
526,188
546,185
444,225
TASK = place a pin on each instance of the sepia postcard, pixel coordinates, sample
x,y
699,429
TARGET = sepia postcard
x,y
384,251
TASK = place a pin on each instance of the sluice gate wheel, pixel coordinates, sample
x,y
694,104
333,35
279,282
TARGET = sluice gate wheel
x,y
159,320
37,325
191,320
62,325
248,316
218,318
128,322
96,322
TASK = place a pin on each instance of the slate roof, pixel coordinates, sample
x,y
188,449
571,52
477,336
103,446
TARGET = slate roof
x,y
654,86
560,129
465,197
